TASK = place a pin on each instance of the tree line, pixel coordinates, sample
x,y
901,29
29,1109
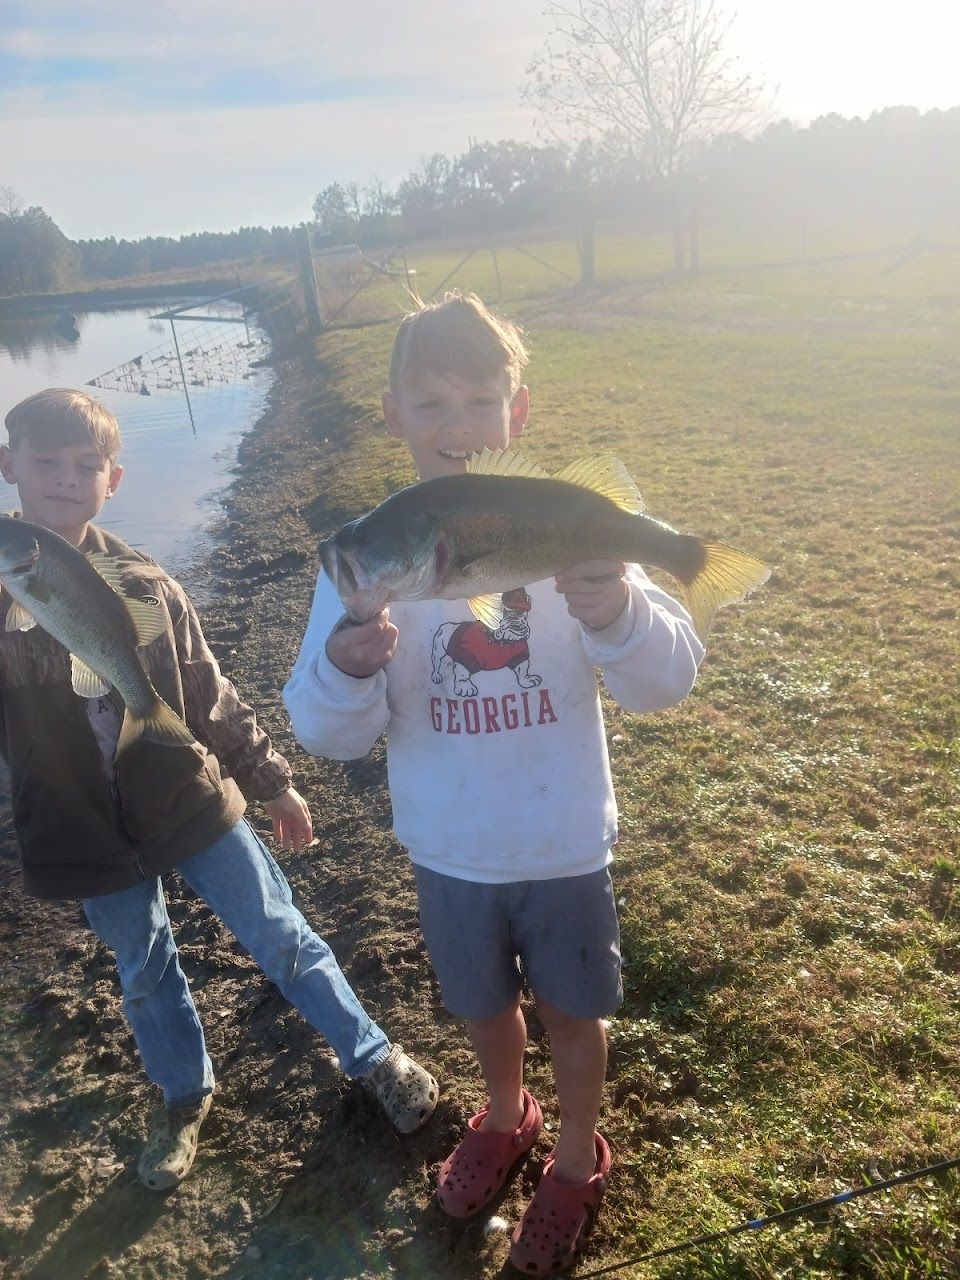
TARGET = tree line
x,y
897,166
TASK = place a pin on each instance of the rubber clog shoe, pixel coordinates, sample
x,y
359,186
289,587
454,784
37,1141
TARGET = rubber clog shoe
x,y
476,1170
556,1224
170,1152
407,1092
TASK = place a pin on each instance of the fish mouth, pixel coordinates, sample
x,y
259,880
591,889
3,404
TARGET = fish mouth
x,y
337,567
361,600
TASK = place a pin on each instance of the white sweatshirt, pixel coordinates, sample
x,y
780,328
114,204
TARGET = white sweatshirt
x,y
496,752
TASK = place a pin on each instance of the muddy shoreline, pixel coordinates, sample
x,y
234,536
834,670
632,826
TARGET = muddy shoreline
x,y
297,1175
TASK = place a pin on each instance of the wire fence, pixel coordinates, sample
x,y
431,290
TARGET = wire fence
x,y
357,289
220,346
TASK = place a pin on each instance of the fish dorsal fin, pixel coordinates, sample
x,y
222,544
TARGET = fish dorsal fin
x,y
504,462
606,475
86,683
19,618
487,609
145,613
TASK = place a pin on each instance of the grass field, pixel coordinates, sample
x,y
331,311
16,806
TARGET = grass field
x,y
790,835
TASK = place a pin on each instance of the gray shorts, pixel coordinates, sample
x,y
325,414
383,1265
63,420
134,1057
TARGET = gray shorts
x,y
561,937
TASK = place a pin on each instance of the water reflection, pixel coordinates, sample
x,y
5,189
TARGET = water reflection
x,y
174,467
21,336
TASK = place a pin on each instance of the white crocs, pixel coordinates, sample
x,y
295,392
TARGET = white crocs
x,y
168,1156
407,1092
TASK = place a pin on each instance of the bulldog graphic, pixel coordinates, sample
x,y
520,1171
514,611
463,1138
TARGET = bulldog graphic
x,y
461,649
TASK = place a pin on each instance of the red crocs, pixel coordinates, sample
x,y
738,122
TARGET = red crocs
x,y
554,1229
476,1170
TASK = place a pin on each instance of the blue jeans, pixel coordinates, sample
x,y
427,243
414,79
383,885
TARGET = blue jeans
x,y
242,884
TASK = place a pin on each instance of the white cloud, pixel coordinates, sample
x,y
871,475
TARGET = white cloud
x,y
426,45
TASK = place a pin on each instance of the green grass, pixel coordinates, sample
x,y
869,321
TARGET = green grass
x,y
788,861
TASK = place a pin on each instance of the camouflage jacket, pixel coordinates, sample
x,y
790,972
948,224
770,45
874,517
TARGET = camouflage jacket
x,y
81,836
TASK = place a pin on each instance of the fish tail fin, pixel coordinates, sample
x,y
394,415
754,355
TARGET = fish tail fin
x,y
722,576
161,724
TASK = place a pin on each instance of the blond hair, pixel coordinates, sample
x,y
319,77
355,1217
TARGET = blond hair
x,y
457,335
60,416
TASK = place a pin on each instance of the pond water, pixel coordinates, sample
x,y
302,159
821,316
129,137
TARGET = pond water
x,y
178,450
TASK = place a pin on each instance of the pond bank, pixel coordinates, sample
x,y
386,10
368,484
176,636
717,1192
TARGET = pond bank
x,y
296,1175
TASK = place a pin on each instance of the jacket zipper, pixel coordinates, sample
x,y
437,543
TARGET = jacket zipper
x,y
113,796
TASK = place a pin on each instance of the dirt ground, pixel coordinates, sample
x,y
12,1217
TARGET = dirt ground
x,y
297,1175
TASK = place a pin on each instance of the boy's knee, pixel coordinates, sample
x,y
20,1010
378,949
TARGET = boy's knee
x,y
558,1023
141,978
292,952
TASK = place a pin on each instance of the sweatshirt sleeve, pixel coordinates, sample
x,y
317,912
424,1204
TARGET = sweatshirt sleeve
x,y
332,714
215,713
649,656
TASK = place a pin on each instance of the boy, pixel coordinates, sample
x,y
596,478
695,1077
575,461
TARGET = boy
x,y
501,793
103,829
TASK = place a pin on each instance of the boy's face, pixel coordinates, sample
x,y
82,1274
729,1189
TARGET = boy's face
x,y
63,487
445,419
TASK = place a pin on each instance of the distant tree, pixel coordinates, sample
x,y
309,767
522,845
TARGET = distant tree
x,y
330,208
377,200
652,74
35,255
10,202
422,196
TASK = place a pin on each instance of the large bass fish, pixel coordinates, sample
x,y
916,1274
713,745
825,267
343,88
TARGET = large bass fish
x,y
506,523
79,600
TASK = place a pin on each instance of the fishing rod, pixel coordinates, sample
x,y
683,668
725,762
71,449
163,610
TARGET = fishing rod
x,y
754,1224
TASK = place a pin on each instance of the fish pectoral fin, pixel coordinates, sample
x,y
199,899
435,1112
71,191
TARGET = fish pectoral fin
x,y
145,612
86,683
487,609
504,462
147,616
606,475
19,618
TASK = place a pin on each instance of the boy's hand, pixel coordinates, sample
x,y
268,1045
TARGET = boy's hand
x,y
365,648
292,827
595,590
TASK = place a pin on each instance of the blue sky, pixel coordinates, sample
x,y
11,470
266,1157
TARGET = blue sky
x,y
188,115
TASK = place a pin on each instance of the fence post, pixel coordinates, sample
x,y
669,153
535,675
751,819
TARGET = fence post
x,y
496,267
308,278
586,252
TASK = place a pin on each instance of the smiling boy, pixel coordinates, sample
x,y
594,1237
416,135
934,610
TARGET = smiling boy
x,y
102,827
502,793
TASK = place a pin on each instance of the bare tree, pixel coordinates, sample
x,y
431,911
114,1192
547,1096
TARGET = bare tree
x,y
10,202
652,74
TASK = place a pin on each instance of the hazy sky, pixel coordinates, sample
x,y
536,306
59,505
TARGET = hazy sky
x,y
184,115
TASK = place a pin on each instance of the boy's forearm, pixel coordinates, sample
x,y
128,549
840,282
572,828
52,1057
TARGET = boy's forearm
x,y
228,727
650,655
217,715
333,714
